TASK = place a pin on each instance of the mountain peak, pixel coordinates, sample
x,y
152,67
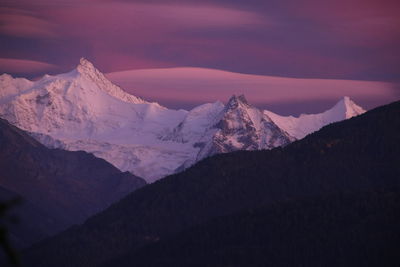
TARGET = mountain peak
x,y
347,106
5,76
346,100
236,101
84,61
85,66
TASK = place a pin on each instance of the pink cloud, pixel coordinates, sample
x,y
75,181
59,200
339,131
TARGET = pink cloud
x,y
288,37
115,60
25,25
354,22
118,33
144,20
127,22
206,50
11,65
198,85
202,16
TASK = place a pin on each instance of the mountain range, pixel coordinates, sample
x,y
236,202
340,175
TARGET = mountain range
x,y
313,190
83,110
329,199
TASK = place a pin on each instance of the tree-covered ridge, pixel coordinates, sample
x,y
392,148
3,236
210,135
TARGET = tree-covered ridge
x,y
340,230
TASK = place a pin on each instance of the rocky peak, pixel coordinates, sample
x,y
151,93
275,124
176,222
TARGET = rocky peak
x,y
88,70
242,127
6,77
237,101
86,67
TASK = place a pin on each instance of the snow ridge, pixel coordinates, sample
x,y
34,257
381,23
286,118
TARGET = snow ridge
x,y
83,110
299,127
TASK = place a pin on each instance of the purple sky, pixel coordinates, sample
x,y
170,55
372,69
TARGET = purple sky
x,y
332,39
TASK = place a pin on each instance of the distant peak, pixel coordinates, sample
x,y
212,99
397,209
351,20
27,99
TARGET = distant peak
x,y
346,101
348,107
83,61
88,71
5,76
346,98
85,66
235,101
242,99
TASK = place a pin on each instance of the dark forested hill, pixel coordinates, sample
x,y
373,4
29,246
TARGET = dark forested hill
x,y
60,188
340,230
346,158
26,222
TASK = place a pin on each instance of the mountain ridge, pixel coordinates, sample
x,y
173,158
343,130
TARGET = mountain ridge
x,y
83,110
66,186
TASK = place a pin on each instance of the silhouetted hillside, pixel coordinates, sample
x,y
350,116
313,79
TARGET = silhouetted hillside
x,y
60,188
26,222
341,230
353,156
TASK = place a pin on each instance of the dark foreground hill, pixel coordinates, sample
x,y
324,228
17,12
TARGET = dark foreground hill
x,y
58,188
347,158
26,222
340,230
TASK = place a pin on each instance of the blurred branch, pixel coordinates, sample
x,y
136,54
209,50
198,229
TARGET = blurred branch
x,y
4,240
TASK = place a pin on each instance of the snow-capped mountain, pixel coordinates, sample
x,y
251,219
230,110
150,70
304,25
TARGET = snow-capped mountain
x,y
240,126
83,110
216,128
299,127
